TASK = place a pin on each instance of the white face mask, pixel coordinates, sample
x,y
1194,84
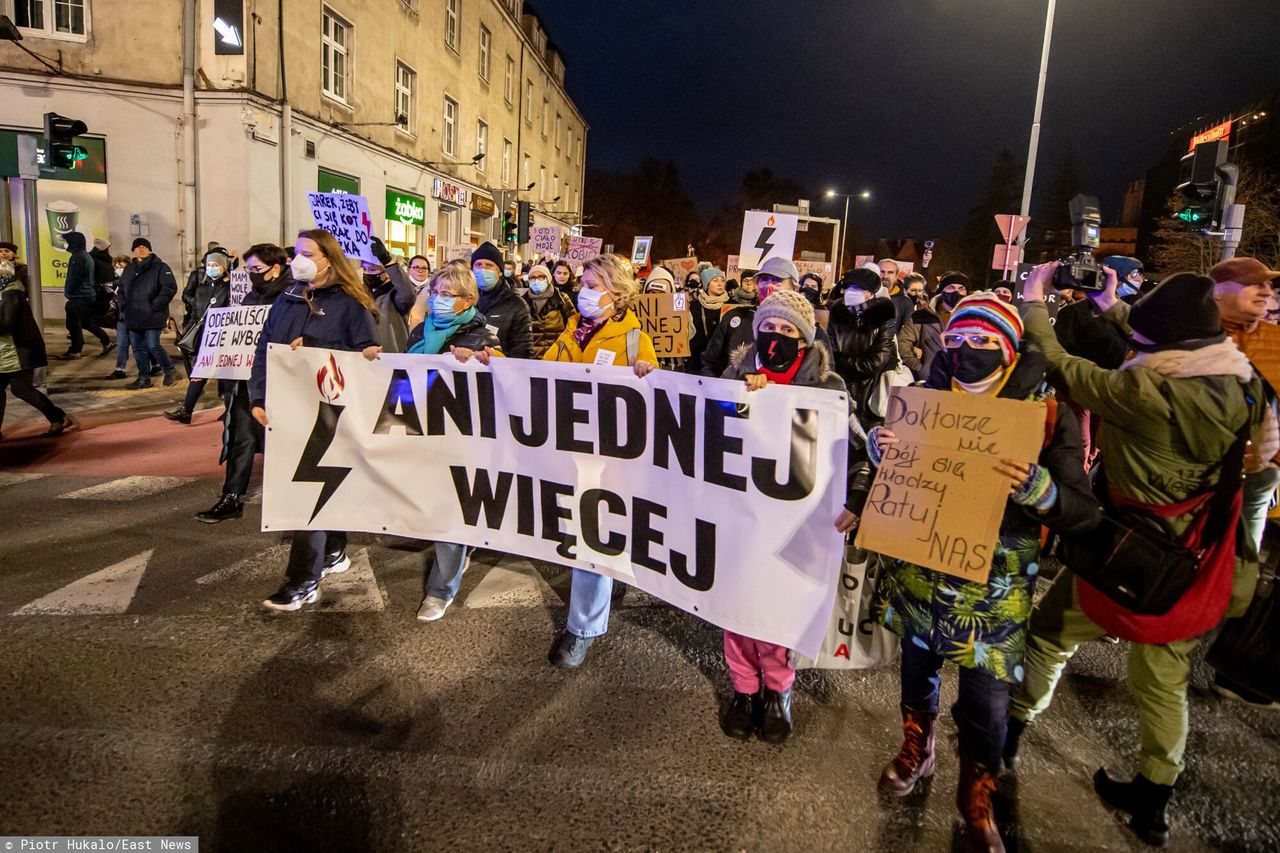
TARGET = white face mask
x,y
854,297
303,268
589,304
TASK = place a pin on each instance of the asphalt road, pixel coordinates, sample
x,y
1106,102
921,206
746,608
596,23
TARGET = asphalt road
x,y
144,691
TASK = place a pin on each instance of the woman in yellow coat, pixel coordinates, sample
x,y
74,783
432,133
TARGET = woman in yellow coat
x,y
605,331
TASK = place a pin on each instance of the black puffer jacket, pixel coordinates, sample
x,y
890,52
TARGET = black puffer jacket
x,y
475,334
508,314
146,288
549,320
863,344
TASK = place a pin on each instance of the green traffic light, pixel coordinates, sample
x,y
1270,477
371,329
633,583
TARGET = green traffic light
x,y
1190,215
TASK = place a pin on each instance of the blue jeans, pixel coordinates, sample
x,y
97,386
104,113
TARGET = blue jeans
x,y
981,713
122,345
589,600
446,570
1258,489
146,348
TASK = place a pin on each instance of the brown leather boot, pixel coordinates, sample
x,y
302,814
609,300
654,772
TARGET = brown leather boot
x,y
914,760
973,798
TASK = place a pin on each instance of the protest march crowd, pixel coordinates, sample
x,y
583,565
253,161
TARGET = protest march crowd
x,y
1155,467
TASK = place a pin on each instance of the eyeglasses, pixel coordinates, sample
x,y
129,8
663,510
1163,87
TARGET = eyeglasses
x,y
258,269
420,268
977,340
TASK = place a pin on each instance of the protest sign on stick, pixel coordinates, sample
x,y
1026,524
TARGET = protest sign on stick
x,y
582,249
228,342
766,235
667,326
937,500
346,217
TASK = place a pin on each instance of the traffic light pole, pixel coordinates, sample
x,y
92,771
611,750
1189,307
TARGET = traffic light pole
x,y
1232,227
31,236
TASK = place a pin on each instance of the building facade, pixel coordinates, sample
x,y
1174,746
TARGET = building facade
x,y
211,120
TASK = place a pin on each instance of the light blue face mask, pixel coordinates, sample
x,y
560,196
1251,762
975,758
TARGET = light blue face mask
x,y
213,271
442,310
485,279
538,285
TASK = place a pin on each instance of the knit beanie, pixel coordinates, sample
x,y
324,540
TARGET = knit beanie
x,y
779,267
100,244
708,274
660,274
953,278
218,257
537,268
486,251
986,313
1181,308
791,306
1124,265
140,241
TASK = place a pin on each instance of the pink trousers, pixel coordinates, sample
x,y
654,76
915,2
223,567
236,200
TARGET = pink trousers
x,y
751,660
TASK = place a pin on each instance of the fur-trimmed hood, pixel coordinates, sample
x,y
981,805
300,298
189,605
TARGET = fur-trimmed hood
x,y
815,371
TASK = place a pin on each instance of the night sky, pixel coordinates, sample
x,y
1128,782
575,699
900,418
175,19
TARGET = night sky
x,y
911,99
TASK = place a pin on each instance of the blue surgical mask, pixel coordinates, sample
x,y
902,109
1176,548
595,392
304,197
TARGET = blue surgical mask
x,y
485,279
538,285
213,271
589,304
1126,288
442,310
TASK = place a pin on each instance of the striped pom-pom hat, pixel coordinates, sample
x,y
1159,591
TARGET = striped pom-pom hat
x,y
987,313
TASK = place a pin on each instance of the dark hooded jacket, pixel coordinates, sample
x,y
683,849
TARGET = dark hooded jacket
x,y
146,288
506,311
863,344
919,340
104,270
394,298
550,318
736,331
21,343
79,283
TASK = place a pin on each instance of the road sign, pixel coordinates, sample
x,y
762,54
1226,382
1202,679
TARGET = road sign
x,y
1011,225
1006,256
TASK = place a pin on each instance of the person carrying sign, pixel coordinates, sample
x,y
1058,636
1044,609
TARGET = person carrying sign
x,y
605,331
981,627
1172,416
207,287
329,307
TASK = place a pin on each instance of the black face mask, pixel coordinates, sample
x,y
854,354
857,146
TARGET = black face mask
x,y
951,297
259,281
974,365
373,282
777,352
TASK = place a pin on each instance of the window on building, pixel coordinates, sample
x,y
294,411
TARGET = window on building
x,y
528,102
506,162
449,138
486,45
451,18
542,183
509,82
546,117
524,181
335,45
580,141
482,144
68,18
555,187
406,84
577,210
568,143
557,131
511,6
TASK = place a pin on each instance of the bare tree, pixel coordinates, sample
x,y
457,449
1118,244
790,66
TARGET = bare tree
x,y
1176,250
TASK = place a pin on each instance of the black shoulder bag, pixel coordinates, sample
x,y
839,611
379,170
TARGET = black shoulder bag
x,y
1140,565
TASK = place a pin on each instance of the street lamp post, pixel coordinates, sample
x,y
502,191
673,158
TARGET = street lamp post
x,y
1029,177
844,222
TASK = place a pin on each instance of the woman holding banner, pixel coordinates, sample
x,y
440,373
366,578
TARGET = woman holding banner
x,y
605,331
452,325
981,627
329,307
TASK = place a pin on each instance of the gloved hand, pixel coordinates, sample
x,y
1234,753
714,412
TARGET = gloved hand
x,y
1030,485
380,251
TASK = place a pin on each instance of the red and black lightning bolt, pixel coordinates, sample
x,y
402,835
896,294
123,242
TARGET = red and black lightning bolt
x,y
309,468
765,244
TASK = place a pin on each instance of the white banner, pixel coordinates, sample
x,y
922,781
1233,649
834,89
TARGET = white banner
x,y
228,342
718,501
766,235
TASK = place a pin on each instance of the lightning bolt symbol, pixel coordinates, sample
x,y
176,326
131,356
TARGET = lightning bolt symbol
x,y
765,243
309,468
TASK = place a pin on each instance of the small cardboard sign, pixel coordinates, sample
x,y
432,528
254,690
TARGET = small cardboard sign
x,y
229,341
680,268
937,500
545,240
346,217
582,249
667,326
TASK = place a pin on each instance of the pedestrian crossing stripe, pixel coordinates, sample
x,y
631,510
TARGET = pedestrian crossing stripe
x,y
13,479
510,587
126,488
110,590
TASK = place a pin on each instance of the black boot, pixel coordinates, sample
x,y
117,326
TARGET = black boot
x,y
740,721
1010,755
140,382
180,414
170,376
228,506
775,725
1143,800
570,650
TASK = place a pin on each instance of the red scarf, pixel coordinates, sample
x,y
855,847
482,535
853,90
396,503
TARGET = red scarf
x,y
786,377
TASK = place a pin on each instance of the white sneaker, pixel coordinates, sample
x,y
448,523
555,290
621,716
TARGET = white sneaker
x,y
432,609
335,564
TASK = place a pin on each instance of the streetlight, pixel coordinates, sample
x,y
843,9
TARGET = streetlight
x,y
1035,120
865,195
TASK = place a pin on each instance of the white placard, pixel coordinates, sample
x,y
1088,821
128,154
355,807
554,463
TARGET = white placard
x,y
240,285
346,217
228,342
582,249
544,240
766,235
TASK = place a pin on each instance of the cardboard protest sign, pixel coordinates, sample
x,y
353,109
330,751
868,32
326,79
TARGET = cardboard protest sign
x,y
664,323
461,252
346,217
822,268
936,500
863,260
582,249
766,235
228,342
544,240
731,269
240,285
680,268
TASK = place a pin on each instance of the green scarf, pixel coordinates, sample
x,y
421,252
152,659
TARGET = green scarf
x,y
435,336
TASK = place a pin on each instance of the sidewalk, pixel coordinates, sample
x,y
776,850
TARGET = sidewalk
x,y
81,388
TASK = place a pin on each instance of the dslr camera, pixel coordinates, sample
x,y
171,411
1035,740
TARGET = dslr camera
x,y
1080,270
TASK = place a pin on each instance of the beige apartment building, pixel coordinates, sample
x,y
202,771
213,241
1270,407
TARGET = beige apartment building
x,y
212,120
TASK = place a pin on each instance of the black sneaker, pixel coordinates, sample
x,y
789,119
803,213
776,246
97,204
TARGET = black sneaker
x,y
170,377
108,347
228,506
775,727
140,382
116,374
156,370
293,595
570,650
64,425
68,356
740,721
335,564
180,414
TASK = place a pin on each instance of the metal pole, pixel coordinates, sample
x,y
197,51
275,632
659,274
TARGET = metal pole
x,y
31,236
1029,179
844,227
1232,226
